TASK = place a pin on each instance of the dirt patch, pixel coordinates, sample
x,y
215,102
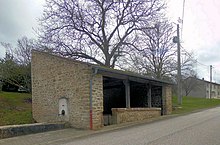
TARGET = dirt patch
x,y
28,100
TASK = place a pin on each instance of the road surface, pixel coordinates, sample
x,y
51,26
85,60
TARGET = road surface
x,y
201,128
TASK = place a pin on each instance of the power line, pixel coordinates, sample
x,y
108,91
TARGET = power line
x,y
216,72
204,68
185,51
202,64
198,65
183,18
190,56
216,76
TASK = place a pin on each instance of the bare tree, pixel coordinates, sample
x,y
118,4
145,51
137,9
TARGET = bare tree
x,y
189,81
11,72
95,30
155,54
23,50
16,67
189,84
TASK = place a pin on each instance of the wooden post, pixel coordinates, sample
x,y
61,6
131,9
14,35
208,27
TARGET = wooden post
x,y
127,93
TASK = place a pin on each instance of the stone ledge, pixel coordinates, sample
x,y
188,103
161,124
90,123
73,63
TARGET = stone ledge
x,y
16,130
123,115
135,109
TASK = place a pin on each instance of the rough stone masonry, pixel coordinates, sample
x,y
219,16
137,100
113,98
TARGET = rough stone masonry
x,y
57,80
53,78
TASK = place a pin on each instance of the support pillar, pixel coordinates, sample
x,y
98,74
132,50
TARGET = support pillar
x,y
127,93
166,100
163,101
149,96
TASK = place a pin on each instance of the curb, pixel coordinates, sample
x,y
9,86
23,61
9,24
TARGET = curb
x,y
25,129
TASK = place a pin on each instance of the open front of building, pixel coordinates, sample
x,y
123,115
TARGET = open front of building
x,y
142,101
128,98
89,96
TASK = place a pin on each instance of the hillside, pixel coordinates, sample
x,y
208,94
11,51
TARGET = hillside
x,y
15,108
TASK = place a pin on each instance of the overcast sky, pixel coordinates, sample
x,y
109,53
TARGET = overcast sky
x,y
17,19
201,31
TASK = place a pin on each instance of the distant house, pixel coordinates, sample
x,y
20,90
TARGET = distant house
x,y
200,88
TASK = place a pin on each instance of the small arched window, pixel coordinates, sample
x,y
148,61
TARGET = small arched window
x,y
63,108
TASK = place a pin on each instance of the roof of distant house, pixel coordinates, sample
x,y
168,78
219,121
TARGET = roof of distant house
x,y
204,80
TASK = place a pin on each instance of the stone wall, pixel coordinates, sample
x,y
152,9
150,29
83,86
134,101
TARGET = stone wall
x,y
122,115
97,93
55,77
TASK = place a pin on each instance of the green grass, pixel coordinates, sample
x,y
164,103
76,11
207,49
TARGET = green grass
x,y
190,104
15,108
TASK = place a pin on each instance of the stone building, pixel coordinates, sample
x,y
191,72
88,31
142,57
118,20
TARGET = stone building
x,y
90,96
200,88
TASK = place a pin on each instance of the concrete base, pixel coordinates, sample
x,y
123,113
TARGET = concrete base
x,y
107,119
16,130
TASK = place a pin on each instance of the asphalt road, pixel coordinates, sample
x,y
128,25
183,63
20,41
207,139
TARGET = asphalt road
x,y
201,128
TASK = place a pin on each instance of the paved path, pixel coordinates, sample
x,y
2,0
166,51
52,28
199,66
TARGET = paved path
x,y
202,128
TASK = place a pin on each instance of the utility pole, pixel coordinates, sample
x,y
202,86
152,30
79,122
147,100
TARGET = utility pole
x,y
210,85
176,39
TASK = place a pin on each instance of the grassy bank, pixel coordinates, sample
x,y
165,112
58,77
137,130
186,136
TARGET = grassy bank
x,y
15,108
190,104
